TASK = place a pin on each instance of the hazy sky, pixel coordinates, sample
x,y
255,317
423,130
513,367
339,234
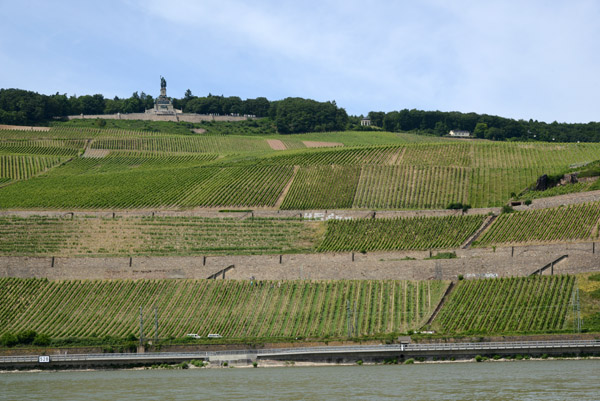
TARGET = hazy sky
x,y
520,59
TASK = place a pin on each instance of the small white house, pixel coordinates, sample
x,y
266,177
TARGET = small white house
x,y
365,122
460,133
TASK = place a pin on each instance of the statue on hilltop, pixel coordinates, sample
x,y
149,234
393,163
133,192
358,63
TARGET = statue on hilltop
x,y
163,82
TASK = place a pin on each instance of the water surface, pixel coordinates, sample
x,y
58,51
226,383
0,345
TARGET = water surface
x,y
524,380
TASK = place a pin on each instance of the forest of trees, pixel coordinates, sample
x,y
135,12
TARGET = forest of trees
x,y
293,115
484,126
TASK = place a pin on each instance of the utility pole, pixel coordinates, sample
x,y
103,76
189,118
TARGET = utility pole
x,y
348,318
155,327
577,321
141,328
354,312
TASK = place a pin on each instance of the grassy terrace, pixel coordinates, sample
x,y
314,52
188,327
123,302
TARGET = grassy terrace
x,y
283,310
234,309
159,236
507,305
153,236
572,223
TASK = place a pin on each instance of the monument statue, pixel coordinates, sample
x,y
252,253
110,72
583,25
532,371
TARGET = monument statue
x,y
163,105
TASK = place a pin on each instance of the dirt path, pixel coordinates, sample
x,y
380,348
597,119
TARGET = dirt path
x,y
286,189
276,144
397,157
314,144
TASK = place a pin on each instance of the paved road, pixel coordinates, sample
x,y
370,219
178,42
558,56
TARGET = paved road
x,y
588,346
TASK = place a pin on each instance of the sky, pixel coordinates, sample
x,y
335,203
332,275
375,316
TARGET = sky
x,y
525,59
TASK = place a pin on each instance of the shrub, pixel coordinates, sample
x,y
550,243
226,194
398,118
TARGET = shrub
x,y
255,364
26,336
507,209
409,361
443,255
478,358
359,362
42,340
527,202
8,340
461,277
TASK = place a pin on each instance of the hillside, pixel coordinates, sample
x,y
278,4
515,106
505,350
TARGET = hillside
x,y
276,310
79,169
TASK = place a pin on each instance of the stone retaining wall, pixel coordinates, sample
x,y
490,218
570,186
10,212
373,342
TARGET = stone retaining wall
x,y
471,263
186,117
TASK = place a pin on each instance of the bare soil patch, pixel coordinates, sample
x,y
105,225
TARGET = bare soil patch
x,y
96,153
276,144
314,144
198,130
23,128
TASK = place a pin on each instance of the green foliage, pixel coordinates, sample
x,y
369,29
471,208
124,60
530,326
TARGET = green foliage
x,y
294,115
507,209
488,127
141,169
409,361
399,233
574,222
443,255
458,205
26,336
235,309
322,187
507,305
42,340
8,340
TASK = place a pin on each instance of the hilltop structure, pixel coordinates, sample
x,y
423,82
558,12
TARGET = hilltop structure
x,y
163,104
460,133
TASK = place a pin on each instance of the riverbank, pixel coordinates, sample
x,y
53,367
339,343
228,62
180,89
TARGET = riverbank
x,y
380,353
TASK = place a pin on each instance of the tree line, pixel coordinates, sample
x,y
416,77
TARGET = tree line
x,y
293,115
484,126
290,115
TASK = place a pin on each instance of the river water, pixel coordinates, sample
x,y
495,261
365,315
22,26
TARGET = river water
x,y
523,380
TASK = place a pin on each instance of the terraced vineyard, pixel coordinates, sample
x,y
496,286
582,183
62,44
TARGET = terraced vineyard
x,y
23,167
571,223
340,156
139,169
507,305
311,187
130,182
399,187
189,144
416,233
80,236
49,147
234,309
